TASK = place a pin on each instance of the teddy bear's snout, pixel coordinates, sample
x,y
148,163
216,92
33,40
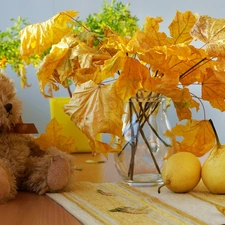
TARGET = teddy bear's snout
x,y
8,107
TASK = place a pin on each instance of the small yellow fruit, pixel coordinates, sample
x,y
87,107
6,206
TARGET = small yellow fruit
x,y
213,170
181,173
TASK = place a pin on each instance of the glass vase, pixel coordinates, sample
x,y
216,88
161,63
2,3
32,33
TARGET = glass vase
x,y
146,148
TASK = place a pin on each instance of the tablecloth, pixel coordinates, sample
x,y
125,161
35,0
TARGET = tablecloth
x,y
92,204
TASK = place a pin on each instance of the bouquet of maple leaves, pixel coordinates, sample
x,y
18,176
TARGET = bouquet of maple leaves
x,y
150,60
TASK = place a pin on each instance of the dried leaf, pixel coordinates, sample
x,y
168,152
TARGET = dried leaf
x,y
198,137
84,54
105,193
36,38
154,37
97,109
186,102
220,208
78,169
181,26
212,32
131,78
182,98
54,137
132,210
52,63
114,64
87,37
89,161
114,42
213,89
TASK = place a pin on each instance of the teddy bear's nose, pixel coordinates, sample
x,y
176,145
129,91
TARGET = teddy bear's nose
x,y
8,107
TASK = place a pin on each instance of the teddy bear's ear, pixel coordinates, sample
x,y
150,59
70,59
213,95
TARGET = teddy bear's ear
x,y
7,86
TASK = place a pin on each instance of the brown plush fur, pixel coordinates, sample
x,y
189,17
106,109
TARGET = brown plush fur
x,y
23,165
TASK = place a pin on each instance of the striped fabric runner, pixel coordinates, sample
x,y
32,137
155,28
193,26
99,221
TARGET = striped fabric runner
x,y
91,207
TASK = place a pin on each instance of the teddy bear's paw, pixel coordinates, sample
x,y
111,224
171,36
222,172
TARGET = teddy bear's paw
x,y
58,174
4,184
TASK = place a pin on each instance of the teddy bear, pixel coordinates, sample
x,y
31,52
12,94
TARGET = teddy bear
x,y
23,165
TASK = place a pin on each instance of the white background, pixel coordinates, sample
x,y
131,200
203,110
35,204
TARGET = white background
x,y
36,107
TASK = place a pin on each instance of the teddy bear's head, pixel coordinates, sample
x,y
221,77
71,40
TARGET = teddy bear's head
x,y
10,105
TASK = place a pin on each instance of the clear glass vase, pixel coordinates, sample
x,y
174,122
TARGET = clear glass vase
x,y
146,148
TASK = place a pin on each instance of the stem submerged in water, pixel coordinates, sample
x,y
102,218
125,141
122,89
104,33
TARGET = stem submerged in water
x,y
138,115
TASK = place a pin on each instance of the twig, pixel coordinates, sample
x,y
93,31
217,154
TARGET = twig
x,y
69,91
141,120
150,150
186,72
133,145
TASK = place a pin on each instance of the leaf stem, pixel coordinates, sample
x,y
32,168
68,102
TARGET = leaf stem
x,y
150,150
69,91
163,185
216,135
186,72
133,144
203,107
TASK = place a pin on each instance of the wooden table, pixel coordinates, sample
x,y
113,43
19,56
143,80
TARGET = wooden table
x,y
32,209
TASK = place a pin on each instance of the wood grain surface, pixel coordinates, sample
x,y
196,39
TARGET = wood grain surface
x,y
32,209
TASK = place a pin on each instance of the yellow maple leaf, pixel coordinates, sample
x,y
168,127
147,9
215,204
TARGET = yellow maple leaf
x,y
181,26
182,111
36,38
70,58
212,32
220,64
144,41
96,109
213,89
82,75
162,85
181,98
170,56
3,62
179,30
23,78
57,63
84,54
131,78
114,41
174,61
87,36
198,137
181,50
151,28
139,42
193,69
185,103
54,137
114,64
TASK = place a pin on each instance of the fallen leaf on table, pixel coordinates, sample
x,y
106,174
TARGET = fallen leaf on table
x,y
79,169
105,193
141,210
90,161
221,209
